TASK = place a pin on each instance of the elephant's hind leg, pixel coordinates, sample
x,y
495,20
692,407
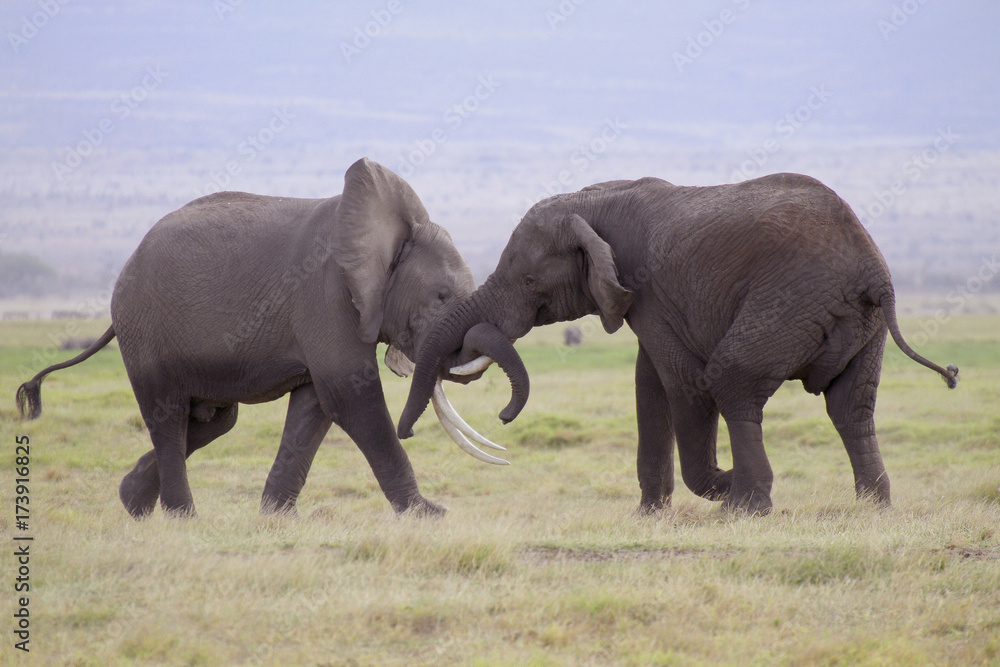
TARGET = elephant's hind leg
x,y
850,402
169,437
305,427
744,371
752,474
140,488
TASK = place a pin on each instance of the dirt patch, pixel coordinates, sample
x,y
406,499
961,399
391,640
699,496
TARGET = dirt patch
x,y
550,554
964,553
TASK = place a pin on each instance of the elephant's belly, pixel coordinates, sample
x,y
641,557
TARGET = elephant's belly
x,y
261,387
278,390
839,346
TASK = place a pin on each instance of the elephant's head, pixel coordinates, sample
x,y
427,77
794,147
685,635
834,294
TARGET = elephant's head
x,y
404,273
555,268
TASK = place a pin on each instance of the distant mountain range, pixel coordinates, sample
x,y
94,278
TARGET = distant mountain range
x,y
114,113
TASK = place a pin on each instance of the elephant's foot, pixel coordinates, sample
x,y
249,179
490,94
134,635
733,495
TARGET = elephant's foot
x,y
177,502
652,507
753,501
270,505
715,485
421,507
140,488
181,512
876,491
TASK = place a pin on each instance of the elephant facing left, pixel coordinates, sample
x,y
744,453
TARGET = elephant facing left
x,y
241,298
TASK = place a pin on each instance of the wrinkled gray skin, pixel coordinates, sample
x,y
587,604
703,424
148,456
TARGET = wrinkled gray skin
x,y
239,298
731,290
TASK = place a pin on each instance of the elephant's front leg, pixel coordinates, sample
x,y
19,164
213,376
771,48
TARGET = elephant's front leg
x,y
655,459
366,420
692,416
305,427
696,426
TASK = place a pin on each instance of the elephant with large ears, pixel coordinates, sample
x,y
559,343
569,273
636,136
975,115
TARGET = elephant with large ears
x,y
730,290
239,298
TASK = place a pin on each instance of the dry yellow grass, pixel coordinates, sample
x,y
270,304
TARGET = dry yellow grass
x,y
542,562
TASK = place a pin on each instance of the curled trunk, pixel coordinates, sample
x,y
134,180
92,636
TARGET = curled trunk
x,y
486,339
464,328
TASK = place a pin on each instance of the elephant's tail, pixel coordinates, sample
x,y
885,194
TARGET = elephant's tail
x,y
886,299
29,394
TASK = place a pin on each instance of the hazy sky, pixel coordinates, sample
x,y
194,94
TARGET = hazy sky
x,y
392,69
482,106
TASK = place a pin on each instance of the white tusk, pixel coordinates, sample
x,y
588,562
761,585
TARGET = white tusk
x,y
477,365
451,414
457,435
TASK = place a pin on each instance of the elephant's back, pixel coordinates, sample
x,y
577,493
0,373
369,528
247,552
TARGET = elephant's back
x,y
226,224
206,279
226,237
781,220
782,242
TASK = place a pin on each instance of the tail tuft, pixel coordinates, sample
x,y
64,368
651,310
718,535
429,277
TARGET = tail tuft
x,y
29,399
951,379
29,394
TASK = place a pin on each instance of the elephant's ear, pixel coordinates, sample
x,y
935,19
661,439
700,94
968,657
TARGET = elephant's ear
x,y
377,214
601,283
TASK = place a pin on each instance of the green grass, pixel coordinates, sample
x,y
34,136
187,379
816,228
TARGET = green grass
x,y
543,562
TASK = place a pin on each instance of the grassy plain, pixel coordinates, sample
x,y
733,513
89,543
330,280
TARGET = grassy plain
x,y
540,563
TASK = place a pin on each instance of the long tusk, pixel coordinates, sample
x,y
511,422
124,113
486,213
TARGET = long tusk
x,y
451,414
457,435
477,365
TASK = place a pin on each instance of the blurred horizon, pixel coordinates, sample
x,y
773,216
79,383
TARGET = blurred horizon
x,y
113,114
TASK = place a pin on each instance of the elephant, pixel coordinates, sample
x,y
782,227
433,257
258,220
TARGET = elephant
x,y
241,298
730,290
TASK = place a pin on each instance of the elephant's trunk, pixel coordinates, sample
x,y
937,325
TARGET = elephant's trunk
x,y
464,327
486,339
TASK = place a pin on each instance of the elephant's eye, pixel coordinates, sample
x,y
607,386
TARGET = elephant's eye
x,y
443,296
529,281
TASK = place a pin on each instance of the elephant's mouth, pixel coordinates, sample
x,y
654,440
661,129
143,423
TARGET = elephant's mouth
x,y
457,428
